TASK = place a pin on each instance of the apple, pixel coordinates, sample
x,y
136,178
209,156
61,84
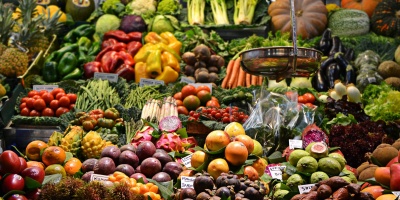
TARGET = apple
x,y
23,164
13,182
36,173
9,162
17,197
34,194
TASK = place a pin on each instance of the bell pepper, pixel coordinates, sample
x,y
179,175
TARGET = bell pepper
x,y
126,71
105,123
109,61
111,113
135,36
119,35
165,47
109,42
94,49
154,38
88,122
49,72
60,53
67,64
169,75
144,52
96,113
84,44
90,68
82,30
140,71
75,74
82,57
126,58
395,177
133,47
169,60
117,47
172,41
153,64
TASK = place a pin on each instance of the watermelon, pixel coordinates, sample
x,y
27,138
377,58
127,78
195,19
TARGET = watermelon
x,y
349,22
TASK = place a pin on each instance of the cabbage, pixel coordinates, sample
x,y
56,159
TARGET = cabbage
x,y
164,23
106,23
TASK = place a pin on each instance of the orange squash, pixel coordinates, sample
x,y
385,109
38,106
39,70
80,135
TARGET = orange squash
x,y
311,17
367,6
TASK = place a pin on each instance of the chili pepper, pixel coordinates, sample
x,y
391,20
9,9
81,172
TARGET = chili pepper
x,y
90,68
172,41
109,60
154,38
169,75
105,123
144,52
119,35
395,177
135,36
140,71
75,74
165,47
84,43
126,71
59,53
94,49
153,64
67,64
109,42
96,113
133,47
82,30
169,60
117,47
111,113
49,72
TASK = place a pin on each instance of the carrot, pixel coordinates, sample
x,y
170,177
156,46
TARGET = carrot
x,y
241,79
229,68
260,80
235,72
235,84
254,80
248,80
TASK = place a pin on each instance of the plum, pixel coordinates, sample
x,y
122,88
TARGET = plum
x,y
173,169
104,166
126,169
145,150
130,158
150,167
161,177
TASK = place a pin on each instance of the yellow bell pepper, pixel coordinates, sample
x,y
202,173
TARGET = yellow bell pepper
x,y
163,47
140,71
153,64
169,75
154,38
144,52
175,44
169,60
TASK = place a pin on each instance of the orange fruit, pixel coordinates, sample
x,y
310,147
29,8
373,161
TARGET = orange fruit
x,y
72,166
382,175
259,165
191,102
217,140
387,197
34,148
217,166
251,173
35,164
198,158
202,87
375,190
204,96
188,90
53,155
247,141
236,153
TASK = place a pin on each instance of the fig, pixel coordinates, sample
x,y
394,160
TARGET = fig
x,y
138,176
173,169
104,166
161,177
126,169
128,147
150,167
86,176
88,165
130,158
163,157
145,150
187,193
112,152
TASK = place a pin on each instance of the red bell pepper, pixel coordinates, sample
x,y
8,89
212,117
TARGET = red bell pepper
x,y
109,61
127,58
90,68
119,35
109,42
133,47
117,47
395,177
126,71
135,36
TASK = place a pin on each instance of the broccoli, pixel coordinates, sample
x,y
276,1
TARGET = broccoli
x,y
219,9
139,7
244,11
113,7
168,6
195,10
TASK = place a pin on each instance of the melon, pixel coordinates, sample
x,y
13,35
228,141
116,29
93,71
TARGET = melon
x,y
349,22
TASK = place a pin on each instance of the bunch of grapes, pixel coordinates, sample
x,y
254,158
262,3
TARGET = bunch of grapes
x,y
224,115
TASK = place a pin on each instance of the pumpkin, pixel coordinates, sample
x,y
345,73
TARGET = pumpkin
x,y
386,18
367,6
311,17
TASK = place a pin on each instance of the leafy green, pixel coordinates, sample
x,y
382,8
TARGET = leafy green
x,y
236,46
214,125
130,113
385,107
373,91
35,121
340,119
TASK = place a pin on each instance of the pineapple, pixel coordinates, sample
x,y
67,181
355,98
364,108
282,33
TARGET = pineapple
x,y
71,141
13,62
6,24
92,145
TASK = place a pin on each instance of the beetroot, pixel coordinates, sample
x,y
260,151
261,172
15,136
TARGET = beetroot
x,y
170,142
170,124
142,135
312,133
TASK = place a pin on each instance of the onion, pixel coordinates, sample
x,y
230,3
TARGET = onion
x,y
353,94
332,93
340,88
301,82
323,98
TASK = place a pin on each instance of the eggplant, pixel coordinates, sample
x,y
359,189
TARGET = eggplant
x,y
350,75
326,63
332,74
325,44
319,82
342,62
336,46
349,54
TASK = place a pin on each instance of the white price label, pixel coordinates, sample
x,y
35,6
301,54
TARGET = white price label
x,y
187,181
209,85
148,81
371,79
277,168
186,160
295,144
98,177
305,188
396,193
106,76
48,88
186,80
276,171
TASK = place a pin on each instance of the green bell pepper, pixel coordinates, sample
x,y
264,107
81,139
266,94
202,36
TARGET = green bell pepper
x,y
82,57
75,74
67,64
84,43
60,53
49,72
94,49
82,30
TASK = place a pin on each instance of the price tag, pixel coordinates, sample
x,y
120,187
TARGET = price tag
x,y
185,79
371,79
200,84
187,181
148,81
186,160
396,193
295,144
48,88
276,171
98,177
106,76
305,188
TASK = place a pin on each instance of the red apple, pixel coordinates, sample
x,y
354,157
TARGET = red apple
x,y
13,182
17,197
9,162
34,194
36,173
23,163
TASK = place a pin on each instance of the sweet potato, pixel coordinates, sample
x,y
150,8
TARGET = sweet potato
x,y
353,188
299,196
334,182
341,194
364,196
314,188
324,191
311,196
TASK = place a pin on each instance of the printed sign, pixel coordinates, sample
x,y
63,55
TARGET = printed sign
x,y
305,188
148,81
106,76
209,85
98,177
186,160
295,144
186,80
187,181
276,171
397,193
48,88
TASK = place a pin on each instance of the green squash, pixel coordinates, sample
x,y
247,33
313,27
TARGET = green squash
x,y
386,18
349,22
80,10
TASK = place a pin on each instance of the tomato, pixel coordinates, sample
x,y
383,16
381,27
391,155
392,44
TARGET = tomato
x,y
212,103
34,113
301,99
22,105
25,111
72,105
72,97
308,97
178,96
188,90
56,91
64,101
29,103
59,95
48,112
13,182
214,98
202,87
41,92
61,110
182,110
39,104
218,116
10,162
37,97
47,97
54,104
24,99
225,120
310,105
33,93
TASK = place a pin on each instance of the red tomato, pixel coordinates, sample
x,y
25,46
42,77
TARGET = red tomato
x,y
25,112
34,113
301,99
308,97
214,98
22,105
72,105
36,97
56,91
33,93
188,90
212,103
23,100
48,112
182,110
61,110
72,97
202,87
64,101
310,105
39,104
178,96
59,95
41,92
54,104
29,103
47,97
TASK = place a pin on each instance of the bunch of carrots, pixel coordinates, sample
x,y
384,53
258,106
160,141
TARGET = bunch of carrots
x,y
235,76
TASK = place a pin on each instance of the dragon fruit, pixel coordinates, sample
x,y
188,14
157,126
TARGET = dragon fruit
x,y
189,142
170,124
142,135
312,133
170,142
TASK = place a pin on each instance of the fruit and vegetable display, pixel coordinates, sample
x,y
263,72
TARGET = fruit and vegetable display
x,y
147,99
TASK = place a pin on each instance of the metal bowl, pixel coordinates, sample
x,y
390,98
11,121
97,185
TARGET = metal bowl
x,y
276,63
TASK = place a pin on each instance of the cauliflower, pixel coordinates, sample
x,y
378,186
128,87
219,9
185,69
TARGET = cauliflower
x,y
168,6
113,7
140,7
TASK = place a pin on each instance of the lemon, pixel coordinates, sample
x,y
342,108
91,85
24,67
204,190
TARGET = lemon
x,y
234,128
258,151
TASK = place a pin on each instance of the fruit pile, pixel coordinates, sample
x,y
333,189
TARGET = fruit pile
x,y
224,115
44,103
191,97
